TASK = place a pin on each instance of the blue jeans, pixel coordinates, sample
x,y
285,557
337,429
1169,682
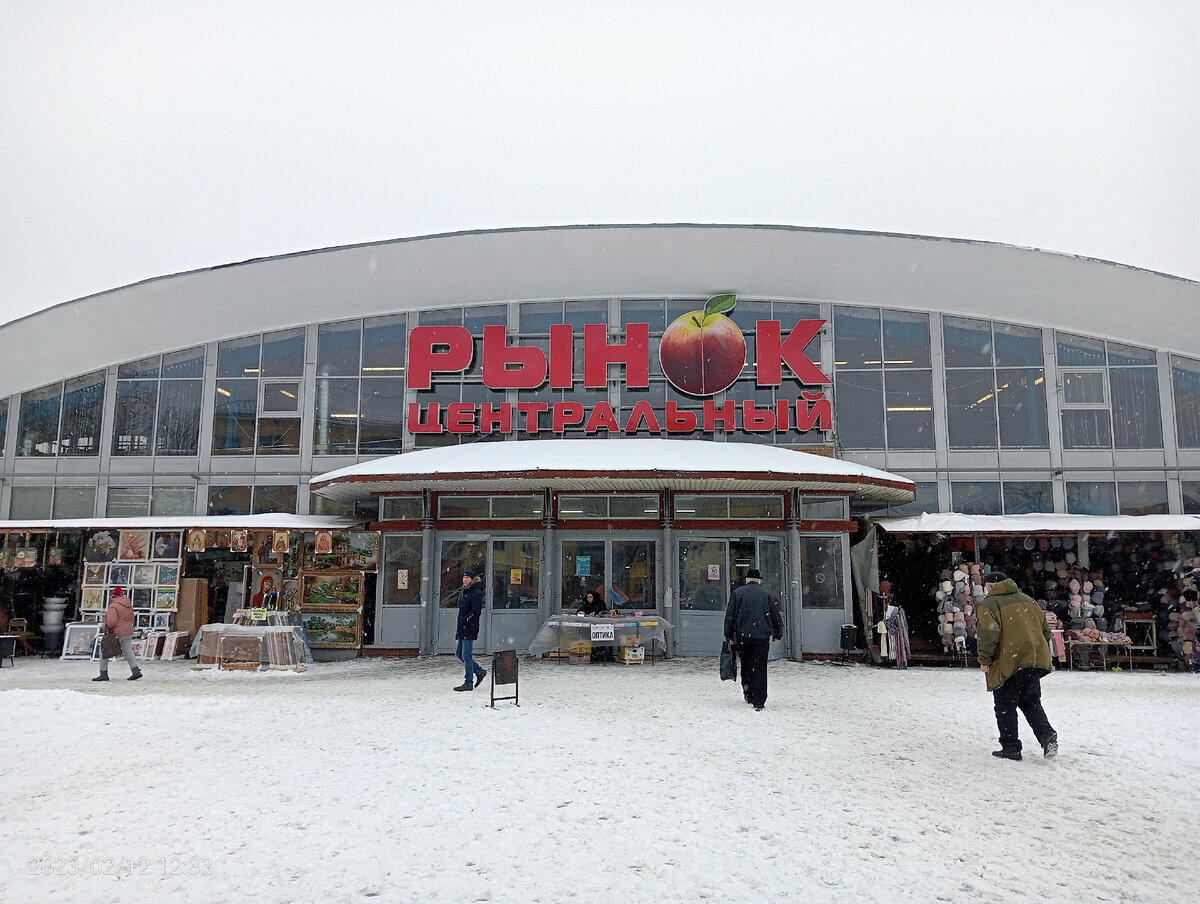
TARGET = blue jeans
x,y
465,652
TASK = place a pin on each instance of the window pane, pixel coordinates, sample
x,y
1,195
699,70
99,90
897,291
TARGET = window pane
x,y
1079,351
583,506
127,502
283,353
821,573
858,409
582,570
229,500
1142,497
133,417
338,349
633,583
281,397
641,310
1030,496
74,502
816,508
442,317
633,507
1127,355
702,586
538,316
381,427
982,498
38,430
173,501
968,343
279,436
517,506
335,418
515,572
401,554
856,337
1191,497
755,507
28,503
1135,410
689,506
1021,408
399,508
746,315
926,501
1086,428
971,409
274,499
83,411
188,362
179,417
1083,387
1185,381
1017,346
475,319
383,345
135,370
234,417
3,424
238,357
1091,499
464,507
905,339
581,313
909,409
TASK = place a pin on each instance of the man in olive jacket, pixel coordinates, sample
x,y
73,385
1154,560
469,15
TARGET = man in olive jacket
x,y
1014,654
752,619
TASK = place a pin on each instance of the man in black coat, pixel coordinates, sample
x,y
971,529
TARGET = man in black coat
x,y
470,608
752,620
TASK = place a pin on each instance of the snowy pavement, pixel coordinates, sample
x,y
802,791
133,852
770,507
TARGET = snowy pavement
x,y
372,780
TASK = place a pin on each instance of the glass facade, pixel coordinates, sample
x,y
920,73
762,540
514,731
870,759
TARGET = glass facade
x,y
923,387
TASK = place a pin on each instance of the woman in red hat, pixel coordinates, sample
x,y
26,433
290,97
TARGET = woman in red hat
x,y
118,621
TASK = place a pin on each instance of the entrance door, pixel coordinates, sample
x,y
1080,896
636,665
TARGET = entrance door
x,y
454,556
823,596
512,595
398,622
703,595
774,578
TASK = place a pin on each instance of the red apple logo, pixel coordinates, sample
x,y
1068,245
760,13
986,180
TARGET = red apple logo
x,y
702,352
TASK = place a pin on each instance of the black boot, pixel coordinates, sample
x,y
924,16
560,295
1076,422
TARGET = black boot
x,y
103,676
465,686
137,673
1050,748
479,678
1007,754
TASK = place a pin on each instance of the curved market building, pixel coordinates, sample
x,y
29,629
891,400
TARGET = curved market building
x,y
541,377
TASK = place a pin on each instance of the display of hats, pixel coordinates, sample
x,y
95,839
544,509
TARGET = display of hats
x,y
1087,587
1070,557
1056,542
959,574
939,596
1068,542
1029,543
947,586
1074,585
1043,544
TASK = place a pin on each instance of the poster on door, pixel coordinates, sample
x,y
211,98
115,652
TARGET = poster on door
x,y
714,572
583,566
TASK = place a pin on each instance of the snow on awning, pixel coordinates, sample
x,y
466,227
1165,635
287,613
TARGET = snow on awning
x,y
271,521
1041,523
645,465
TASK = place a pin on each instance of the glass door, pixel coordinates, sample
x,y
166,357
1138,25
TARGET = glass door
x,y
774,577
454,556
398,623
704,582
512,594
823,592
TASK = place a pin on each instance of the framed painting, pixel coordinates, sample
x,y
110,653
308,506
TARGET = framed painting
x,y
135,546
281,541
342,551
264,551
333,629
92,598
138,645
101,547
91,617
141,620
161,621
164,544
173,647
168,574
289,595
197,540
145,575
322,591
79,638
94,573
142,597
119,574
264,590
239,540
165,598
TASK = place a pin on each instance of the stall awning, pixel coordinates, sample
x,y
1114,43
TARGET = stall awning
x,y
271,521
645,465
1048,523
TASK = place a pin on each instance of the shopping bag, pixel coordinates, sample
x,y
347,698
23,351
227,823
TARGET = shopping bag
x,y
728,662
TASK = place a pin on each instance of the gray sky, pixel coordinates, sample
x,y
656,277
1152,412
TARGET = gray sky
x,y
146,138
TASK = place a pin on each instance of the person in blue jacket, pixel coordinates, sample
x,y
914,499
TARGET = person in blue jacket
x,y
470,608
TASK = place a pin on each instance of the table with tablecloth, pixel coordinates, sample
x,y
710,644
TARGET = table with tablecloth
x,y
561,632
246,647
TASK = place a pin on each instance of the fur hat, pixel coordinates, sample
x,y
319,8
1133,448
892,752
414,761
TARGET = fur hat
x,y
996,577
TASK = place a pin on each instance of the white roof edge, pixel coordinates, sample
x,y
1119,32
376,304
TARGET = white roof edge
x,y
182,522
957,523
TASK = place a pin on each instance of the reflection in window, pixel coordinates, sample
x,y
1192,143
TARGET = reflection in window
x,y
703,578
1086,428
1136,421
633,575
975,498
1142,497
1017,346
30,502
229,500
1091,498
1022,497
1191,497
269,499
925,501
821,573
968,343
1021,408
133,417
83,411
157,410
856,337
1185,382
74,502
234,416
515,570
283,353
127,502
173,500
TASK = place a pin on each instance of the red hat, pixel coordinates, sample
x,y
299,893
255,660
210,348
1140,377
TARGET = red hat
x,y
118,591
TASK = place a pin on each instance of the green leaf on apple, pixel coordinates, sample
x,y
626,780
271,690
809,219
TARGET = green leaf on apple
x,y
719,304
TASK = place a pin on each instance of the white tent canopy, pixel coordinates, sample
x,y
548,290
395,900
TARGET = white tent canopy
x,y
1039,523
614,464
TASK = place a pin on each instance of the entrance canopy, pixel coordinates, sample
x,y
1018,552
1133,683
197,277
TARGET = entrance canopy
x,y
640,465
1047,523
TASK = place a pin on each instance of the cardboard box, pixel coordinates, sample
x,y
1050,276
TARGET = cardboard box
x,y
632,655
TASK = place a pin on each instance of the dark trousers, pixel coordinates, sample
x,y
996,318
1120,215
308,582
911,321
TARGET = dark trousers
x,y
753,660
1023,691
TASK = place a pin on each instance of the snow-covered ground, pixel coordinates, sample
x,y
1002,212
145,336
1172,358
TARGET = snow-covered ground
x,y
373,780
